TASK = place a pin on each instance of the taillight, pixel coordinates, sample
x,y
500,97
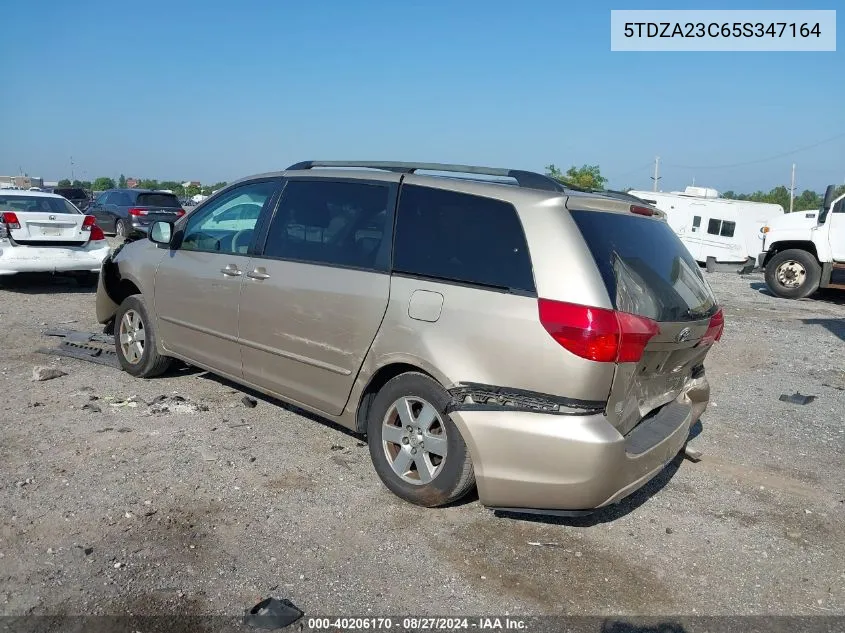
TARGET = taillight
x,y
136,211
180,212
597,334
714,330
11,220
89,222
97,234
641,210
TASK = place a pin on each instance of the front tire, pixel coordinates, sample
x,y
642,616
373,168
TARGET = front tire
x,y
417,450
793,274
135,340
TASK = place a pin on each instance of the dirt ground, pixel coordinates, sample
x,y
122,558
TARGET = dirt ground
x,y
109,505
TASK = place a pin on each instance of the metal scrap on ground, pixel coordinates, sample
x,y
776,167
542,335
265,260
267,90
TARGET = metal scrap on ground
x,y
88,346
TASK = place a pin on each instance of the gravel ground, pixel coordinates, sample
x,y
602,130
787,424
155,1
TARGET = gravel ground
x,y
206,505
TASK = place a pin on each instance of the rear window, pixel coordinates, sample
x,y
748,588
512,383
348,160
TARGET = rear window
x,y
36,204
460,237
71,194
157,200
647,270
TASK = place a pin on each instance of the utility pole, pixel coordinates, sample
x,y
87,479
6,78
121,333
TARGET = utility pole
x,y
792,190
656,176
71,170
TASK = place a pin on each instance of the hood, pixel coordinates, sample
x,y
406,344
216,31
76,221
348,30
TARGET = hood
x,y
796,220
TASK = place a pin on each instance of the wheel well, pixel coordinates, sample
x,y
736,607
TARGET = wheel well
x,y
779,247
379,380
118,289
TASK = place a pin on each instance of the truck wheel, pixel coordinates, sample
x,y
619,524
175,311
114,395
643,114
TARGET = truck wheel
x,y
793,274
416,449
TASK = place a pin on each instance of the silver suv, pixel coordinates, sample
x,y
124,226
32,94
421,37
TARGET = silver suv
x,y
494,329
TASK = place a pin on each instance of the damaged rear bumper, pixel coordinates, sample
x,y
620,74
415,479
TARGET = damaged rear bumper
x,y
533,461
50,259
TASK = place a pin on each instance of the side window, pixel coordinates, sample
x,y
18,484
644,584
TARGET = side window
x,y
335,223
227,225
839,207
713,227
696,223
459,237
101,199
121,199
728,229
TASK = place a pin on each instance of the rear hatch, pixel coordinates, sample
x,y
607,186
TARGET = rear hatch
x,y
42,221
648,272
156,207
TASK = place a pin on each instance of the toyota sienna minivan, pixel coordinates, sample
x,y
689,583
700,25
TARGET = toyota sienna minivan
x,y
482,327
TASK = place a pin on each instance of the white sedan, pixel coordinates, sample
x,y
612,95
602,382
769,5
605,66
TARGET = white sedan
x,y
44,232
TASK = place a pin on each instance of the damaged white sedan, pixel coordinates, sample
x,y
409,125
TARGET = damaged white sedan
x,y
44,232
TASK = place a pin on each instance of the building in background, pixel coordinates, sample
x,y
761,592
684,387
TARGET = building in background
x,y
20,182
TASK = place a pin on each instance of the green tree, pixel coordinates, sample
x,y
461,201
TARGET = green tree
x,y
148,183
192,190
102,183
172,185
808,201
64,182
585,177
121,182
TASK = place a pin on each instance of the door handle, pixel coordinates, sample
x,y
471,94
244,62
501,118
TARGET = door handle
x,y
258,274
231,271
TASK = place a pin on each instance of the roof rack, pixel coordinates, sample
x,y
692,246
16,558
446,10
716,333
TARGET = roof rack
x,y
527,179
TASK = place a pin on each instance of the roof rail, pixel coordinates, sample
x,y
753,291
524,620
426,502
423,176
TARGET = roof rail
x,y
527,179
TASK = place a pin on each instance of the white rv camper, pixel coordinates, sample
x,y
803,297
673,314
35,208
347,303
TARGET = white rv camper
x,y
711,226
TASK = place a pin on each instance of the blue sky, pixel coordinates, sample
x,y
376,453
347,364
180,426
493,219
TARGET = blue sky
x,y
196,91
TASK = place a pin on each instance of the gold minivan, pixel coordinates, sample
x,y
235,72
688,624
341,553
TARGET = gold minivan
x,y
480,326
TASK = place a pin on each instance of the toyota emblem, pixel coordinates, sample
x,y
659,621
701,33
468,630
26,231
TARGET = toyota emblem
x,y
52,217
683,335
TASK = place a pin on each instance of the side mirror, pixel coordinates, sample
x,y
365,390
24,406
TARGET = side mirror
x,y
161,233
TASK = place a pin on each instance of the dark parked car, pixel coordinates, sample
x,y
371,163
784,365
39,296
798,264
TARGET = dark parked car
x,y
123,212
78,196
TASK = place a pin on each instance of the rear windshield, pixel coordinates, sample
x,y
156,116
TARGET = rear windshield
x,y
647,270
157,200
37,204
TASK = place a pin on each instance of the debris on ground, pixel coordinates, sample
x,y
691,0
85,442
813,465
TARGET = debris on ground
x,y
88,346
539,544
796,398
272,614
692,454
93,408
249,402
336,447
41,373
175,404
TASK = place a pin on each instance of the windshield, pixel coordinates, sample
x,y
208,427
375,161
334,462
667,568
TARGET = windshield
x,y
647,270
158,200
37,204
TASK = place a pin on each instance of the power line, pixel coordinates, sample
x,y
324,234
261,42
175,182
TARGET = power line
x,y
759,160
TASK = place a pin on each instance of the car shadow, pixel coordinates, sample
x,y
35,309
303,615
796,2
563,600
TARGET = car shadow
x,y
470,497
617,510
621,626
43,283
834,326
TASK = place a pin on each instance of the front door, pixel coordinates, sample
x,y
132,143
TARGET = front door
x,y
315,296
197,286
836,234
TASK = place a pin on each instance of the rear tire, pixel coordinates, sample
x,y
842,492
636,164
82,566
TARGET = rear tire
x,y
135,340
429,475
120,229
793,274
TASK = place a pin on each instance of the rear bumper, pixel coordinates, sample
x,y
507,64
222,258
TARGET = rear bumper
x,y
536,461
39,259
